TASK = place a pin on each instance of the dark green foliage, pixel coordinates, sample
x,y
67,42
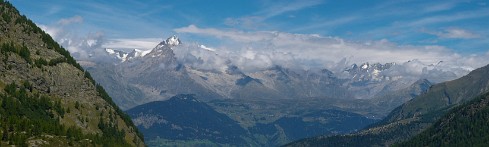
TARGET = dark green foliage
x,y
465,125
29,113
27,85
58,108
21,51
121,113
88,76
25,53
6,17
40,62
112,131
359,139
77,105
56,61
36,114
53,62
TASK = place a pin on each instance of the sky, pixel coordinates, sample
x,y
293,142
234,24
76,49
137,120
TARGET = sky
x,y
309,32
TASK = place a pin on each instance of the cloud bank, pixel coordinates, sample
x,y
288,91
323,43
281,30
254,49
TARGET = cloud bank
x,y
91,46
258,50
262,49
81,46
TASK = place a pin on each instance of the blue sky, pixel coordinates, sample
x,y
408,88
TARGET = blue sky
x,y
458,27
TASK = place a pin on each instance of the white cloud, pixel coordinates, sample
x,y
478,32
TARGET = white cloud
x,y
327,23
262,49
81,46
280,8
207,48
440,6
132,43
270,10
449,18
222,34
455,33
53,31
71,20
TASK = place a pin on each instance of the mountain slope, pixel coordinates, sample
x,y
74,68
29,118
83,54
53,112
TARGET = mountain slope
x,y
415,115
465,125
185,118
47,98
391,100
311,124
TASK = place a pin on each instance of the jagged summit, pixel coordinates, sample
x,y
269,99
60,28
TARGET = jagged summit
x,y
124,56
367,66
171,41
164,46
367,71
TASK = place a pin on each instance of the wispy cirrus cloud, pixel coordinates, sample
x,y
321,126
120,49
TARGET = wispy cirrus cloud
x,y
271,10
235,35
327,24
71,20
444,18
455,33
280,8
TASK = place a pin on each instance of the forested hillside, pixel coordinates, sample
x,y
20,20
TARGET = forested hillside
x,y
464,125
46,97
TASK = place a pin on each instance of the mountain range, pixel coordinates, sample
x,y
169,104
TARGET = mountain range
x,y
262,97
138,77
418,114
48,99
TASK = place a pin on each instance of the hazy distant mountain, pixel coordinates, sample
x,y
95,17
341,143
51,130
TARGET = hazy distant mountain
x,y
143,76
415,115
371,90
394,99
157,75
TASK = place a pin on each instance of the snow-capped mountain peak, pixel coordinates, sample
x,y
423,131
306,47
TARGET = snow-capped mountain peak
x,y
367,71
121,55
162,48
173,41
124,56
169,42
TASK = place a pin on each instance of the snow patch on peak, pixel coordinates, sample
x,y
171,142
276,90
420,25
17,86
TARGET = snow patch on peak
x,y
170,42
110,51
121,55
124,56
173,41
365,66
140,53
